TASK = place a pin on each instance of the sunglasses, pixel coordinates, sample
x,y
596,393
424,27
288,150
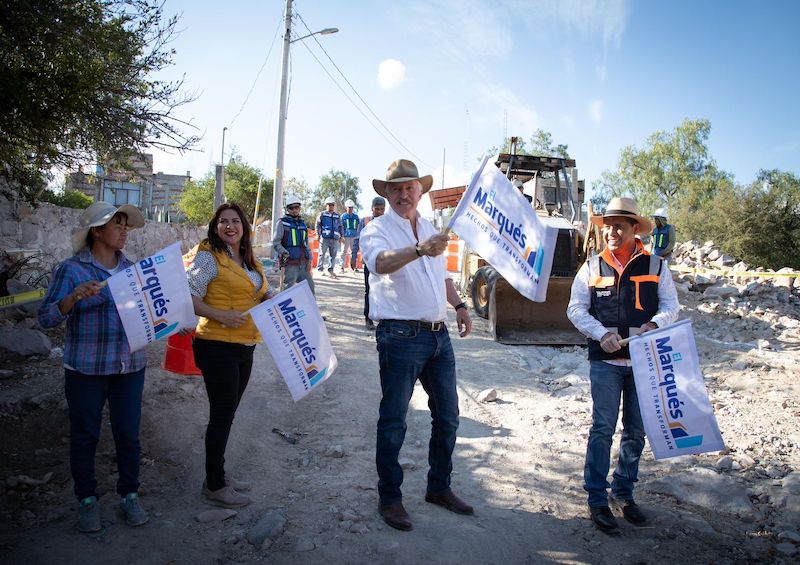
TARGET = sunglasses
x,y
293,207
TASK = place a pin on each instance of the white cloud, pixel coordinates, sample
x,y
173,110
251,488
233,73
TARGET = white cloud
x,y
596,108
391,74
604,19
465,29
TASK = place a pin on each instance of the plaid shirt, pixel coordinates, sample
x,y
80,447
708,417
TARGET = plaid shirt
x,y
95,342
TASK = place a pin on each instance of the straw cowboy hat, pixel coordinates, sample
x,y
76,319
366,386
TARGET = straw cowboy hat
x,y
99,214
402,170
625,208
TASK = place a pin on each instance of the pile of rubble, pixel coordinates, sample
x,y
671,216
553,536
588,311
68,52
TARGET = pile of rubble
x,y
754,307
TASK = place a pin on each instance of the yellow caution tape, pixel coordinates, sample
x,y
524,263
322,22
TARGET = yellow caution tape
x,y
22,298
703,271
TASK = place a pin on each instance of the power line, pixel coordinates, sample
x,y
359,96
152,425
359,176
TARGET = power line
x,y
389,141
364,102
258,74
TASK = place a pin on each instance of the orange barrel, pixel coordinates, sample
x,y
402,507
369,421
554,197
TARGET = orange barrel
x,y
313,243
179,357
452,256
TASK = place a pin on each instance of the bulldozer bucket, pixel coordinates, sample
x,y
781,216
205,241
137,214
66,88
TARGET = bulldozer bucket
x,y
516,320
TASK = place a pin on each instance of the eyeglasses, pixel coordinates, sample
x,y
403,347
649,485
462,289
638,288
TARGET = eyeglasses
x,y
293,207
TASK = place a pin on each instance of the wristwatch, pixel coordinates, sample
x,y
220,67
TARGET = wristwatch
x,y
418,249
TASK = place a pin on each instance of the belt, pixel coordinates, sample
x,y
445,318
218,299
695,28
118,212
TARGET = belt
x,y
421,324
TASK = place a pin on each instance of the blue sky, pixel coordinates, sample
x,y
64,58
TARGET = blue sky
x,y
450,77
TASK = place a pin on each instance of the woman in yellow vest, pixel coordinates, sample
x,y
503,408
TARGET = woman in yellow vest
x,y
225,281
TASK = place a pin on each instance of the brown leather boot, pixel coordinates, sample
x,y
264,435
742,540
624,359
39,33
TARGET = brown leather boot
x,y
395,515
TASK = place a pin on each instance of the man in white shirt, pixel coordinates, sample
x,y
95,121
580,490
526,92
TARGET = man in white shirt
x,y
621,292
409,293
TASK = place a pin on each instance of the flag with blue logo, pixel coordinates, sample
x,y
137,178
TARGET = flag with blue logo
x,y
500,225
291,325
678,417
152,297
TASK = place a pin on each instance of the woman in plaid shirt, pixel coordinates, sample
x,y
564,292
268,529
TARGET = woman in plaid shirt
x,y
98,363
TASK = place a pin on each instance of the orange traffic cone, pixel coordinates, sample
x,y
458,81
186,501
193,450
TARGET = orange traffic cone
x,y
179,357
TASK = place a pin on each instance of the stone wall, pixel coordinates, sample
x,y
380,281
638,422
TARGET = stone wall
x,y
47,229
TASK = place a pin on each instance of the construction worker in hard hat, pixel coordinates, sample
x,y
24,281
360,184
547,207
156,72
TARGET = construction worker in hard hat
x,y
350,222
329,231
291,244
663,241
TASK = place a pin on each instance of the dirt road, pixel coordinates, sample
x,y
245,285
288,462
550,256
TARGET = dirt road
x,y
518,460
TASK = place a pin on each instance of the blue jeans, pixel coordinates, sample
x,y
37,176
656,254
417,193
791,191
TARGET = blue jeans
x,y
86,396
405,354
295,273
609,383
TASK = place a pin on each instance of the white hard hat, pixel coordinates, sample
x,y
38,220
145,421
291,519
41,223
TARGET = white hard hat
x,y
330,200
660,213
349,203
292,199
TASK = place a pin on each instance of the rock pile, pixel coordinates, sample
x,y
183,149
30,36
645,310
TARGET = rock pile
x,y
734,304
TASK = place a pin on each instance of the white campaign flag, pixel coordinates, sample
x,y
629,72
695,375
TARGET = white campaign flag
x,y
291,325
152,297
496,220
678,418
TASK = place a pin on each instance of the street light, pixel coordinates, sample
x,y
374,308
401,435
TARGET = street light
x,y
277,193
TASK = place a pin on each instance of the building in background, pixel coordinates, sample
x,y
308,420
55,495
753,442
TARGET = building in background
x,y
155,194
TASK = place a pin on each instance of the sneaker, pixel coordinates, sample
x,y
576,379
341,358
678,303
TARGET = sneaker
x,y
89,515
225,497
131,506
369,323
236,484
356,270
333,275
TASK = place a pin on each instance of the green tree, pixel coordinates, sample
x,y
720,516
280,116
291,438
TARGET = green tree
x,y
299,187
241,187
673,170
758,223
77,85
339,184
67,199
540,144
671,167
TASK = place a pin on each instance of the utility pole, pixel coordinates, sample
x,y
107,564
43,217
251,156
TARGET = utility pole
x,y
277,190
219,189
277,193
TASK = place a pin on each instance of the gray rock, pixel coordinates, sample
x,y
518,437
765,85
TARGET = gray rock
x,y
791,483
724,462
706,489
407,464
304,544
21,342
786,548
217,515
487,395
269,527
334,451
789,535
721,291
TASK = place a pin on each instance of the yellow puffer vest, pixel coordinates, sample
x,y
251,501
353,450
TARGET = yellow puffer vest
x,y
230,290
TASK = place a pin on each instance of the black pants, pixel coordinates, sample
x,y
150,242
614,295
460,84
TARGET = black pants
x,y
226,372
366,291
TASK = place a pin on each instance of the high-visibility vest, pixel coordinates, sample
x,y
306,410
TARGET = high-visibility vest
x,y
295,239
623,301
